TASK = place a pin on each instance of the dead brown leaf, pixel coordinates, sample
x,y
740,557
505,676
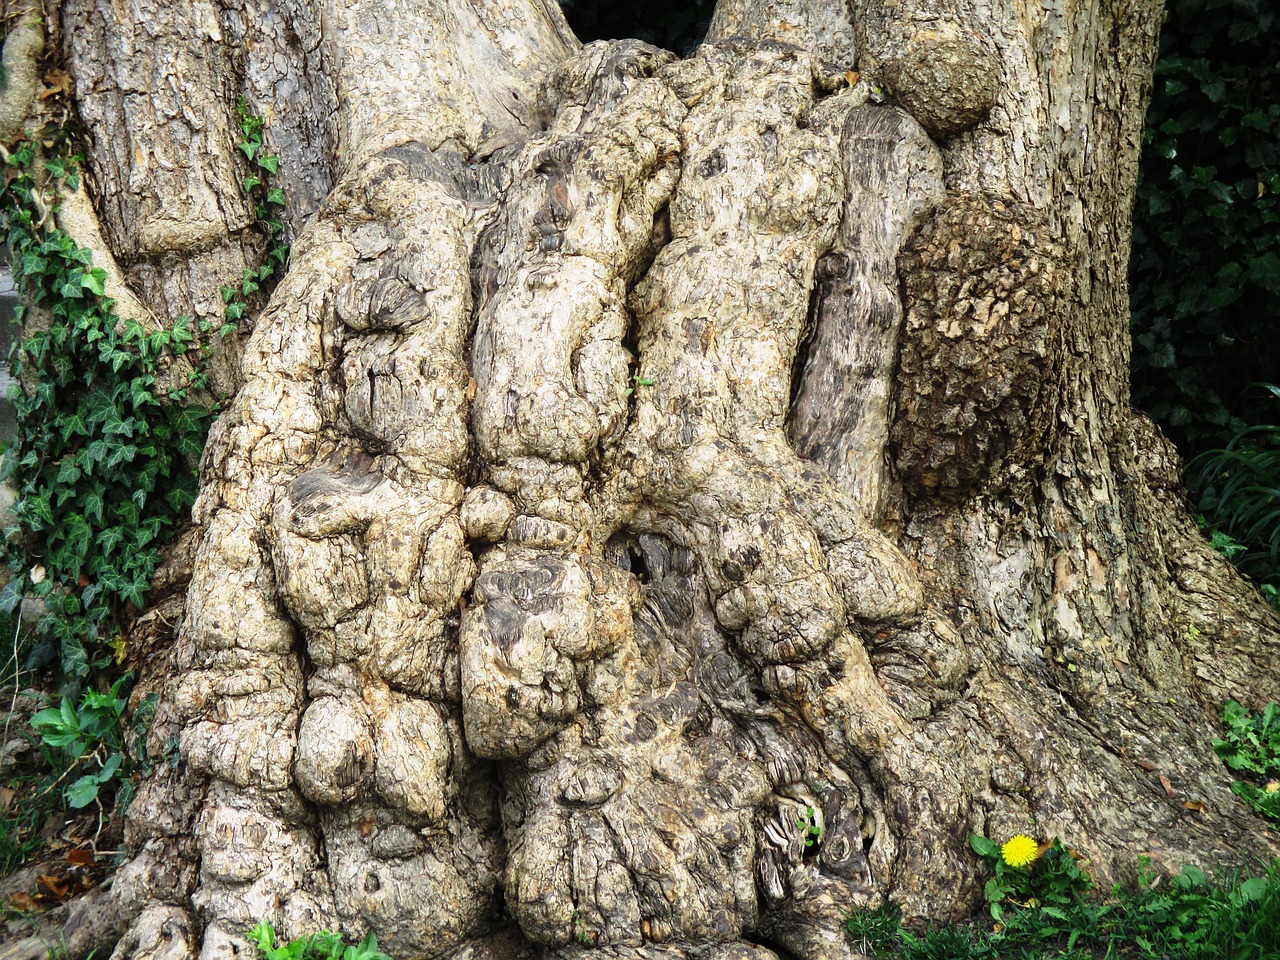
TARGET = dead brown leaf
x,y
52,886
1195,805
80,857
1146,764
1168,787
55,82
24,902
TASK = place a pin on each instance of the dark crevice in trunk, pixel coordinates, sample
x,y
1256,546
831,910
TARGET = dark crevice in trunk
x,y
822,287
763,940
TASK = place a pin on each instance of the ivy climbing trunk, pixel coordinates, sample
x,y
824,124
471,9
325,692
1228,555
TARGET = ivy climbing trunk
x,y
642,459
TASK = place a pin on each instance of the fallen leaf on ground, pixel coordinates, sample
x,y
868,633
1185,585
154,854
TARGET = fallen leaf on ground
x,y
24,902
53,885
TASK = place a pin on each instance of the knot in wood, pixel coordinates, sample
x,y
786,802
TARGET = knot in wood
x,y
944,76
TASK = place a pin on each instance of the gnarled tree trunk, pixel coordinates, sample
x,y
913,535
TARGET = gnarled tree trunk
x,y
641,456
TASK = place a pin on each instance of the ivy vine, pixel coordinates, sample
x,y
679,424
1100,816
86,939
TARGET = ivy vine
x,y
104,460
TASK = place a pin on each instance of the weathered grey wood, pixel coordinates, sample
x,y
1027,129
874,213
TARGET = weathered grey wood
x,y
641,456
841,413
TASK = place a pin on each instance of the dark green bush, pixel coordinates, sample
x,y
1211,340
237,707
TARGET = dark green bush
x,y
1237,492
1205,272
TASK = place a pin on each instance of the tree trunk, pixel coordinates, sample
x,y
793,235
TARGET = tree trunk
x,y
641,456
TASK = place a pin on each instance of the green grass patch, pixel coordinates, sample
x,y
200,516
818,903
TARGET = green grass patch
x,y
1186,917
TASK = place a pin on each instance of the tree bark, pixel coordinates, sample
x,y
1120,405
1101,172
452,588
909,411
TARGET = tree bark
x,y
640,456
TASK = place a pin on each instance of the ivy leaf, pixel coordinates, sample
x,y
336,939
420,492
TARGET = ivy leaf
x,y
269,163
94,281
78,536
37,510
109,539
179,498
1265,272
69,471
93,505
140,395
96,451
72,425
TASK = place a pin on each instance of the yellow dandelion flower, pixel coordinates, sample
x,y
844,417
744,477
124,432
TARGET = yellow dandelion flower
x,y
1019,851
1273,786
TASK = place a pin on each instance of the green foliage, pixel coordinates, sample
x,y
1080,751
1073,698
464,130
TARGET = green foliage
x,y
102,462
319,946
810,827
1187,917
1032,902
268,204
876,932
1205,271
1238,492
88,757
1251,745
20,823
104,465
88,739
638,381
1220,541
1265,800
1193,917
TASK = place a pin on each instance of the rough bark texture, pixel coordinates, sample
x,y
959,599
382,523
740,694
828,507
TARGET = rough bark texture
x,y
641,455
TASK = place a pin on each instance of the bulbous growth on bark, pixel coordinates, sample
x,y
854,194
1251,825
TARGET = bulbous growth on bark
x,y
644,461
